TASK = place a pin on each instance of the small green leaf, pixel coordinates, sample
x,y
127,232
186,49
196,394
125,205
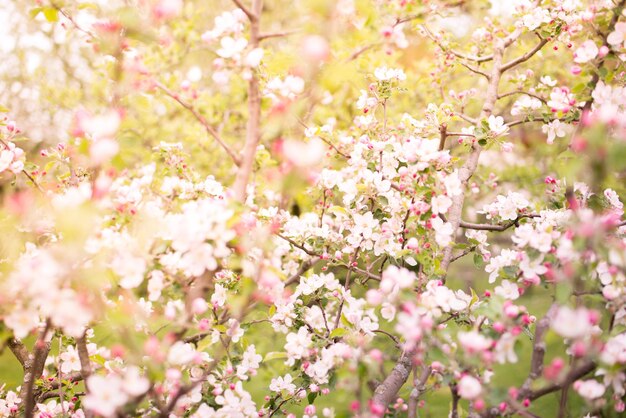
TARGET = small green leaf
x,y
338,332
34,12
51,14
474,297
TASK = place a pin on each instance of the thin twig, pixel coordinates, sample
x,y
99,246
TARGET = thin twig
x,y
210,129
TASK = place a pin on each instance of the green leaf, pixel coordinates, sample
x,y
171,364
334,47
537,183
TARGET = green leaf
x,y
34,12
311,397
51,14
338,332
478,260
474,297
220,328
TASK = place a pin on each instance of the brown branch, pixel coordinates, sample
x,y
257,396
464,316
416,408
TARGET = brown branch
x,y
253,129
463,254
499,228
466,118
475,70
362,50
85,365
539,351
460,134
385,392
72,21
209,129
521,92
526,56
252,16
299,246
83,356
347,284
391,336
471,163
303,268
19,350
443,134
195,339
455,401
418,389
56,394
33,368
264,36
571,377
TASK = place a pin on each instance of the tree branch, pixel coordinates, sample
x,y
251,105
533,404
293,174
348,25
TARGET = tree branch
x,y
264,36
253,130
443,134
85,365
526,56
209,129
33,368
539,351
571,377
475,70
252,16
386,392
418,389
512,93
19,350
477,59
499,228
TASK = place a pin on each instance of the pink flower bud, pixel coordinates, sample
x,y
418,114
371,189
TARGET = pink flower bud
x,y
479,404
579,349
603,52
376,355
377,409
